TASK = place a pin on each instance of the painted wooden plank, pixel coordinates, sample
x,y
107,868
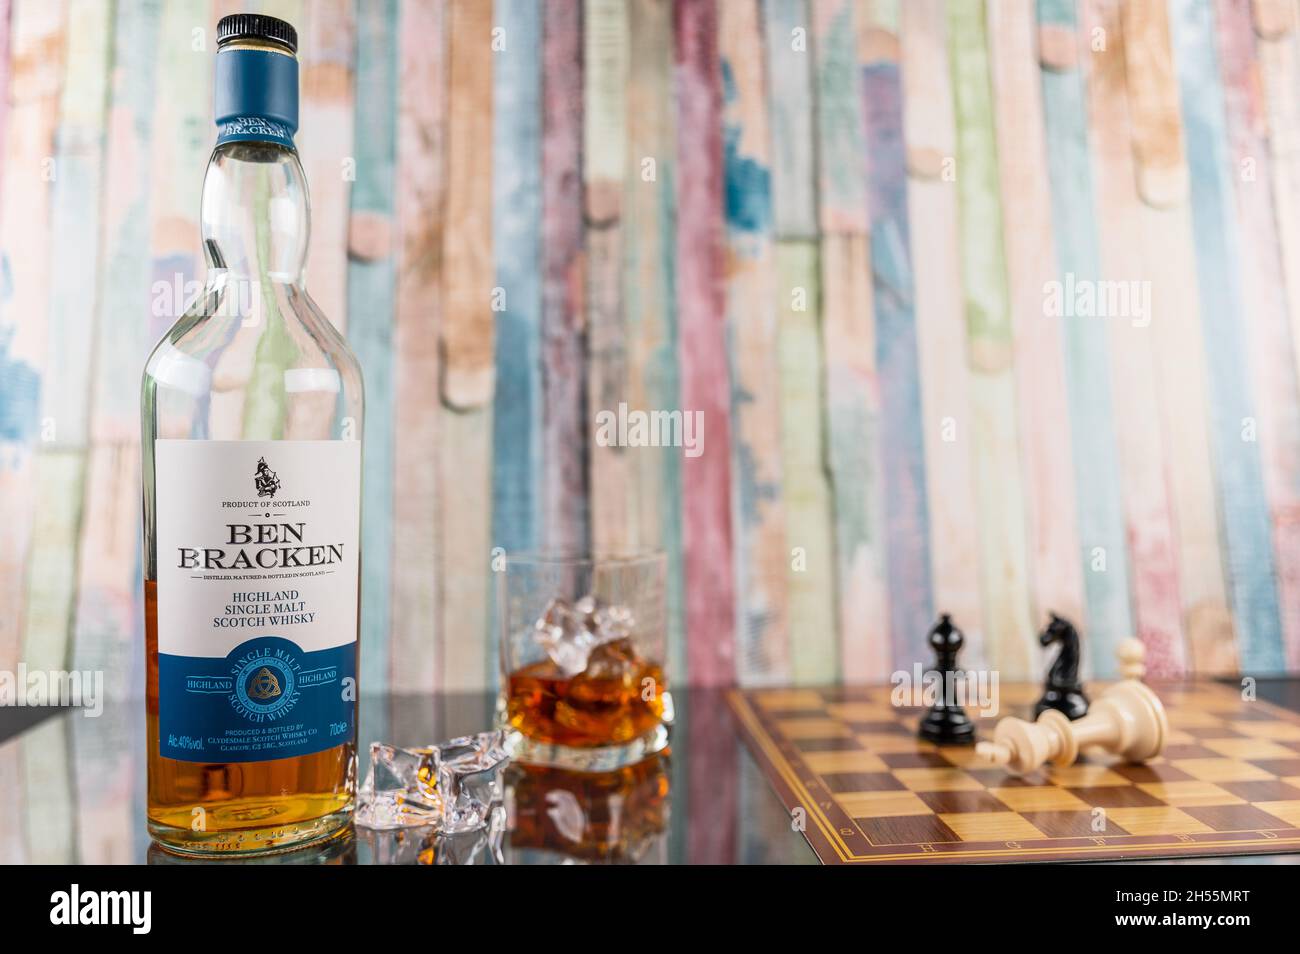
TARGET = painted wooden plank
x,y
993,429
790,92
371,307
468,370
36,79
326,50
74,216
761,560
648,248
74,237
929,477
1157,126
1104,554
1168,256
181,144
1247,528
854,461
841,139
853,455
806,498
51,582
517,449
109,612
465,445
422,108
6,12
516,232
1279,68
1055,570
1265,320
606,50
811,559
565,476
1148,508
705,376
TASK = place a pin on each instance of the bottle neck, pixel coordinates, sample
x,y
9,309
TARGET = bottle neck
x,y
254,217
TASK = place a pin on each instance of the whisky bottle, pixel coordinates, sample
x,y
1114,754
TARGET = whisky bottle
x,y
251,412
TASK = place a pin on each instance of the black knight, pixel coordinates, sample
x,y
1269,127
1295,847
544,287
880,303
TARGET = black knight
x,y
1064,691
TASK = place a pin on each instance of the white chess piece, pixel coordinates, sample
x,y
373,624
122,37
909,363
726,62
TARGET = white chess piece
x,y
1132,656
1128,719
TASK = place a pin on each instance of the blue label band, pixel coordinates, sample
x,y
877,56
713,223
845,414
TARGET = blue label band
x,y
255,96
268,699
254,129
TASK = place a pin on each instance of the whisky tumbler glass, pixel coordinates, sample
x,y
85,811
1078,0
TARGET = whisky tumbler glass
x,y
583,646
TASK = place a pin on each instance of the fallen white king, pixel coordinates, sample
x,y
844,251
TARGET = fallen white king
x,y
1128,720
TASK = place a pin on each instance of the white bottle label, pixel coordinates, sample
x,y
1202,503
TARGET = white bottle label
x,y
257,570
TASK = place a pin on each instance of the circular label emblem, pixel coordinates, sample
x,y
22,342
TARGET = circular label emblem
x,y
265,685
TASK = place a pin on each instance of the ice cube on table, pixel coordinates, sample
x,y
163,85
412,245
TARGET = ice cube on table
x,y
401,789
469,778
450,787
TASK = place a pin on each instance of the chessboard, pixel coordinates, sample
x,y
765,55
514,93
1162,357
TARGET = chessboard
x,y
849,767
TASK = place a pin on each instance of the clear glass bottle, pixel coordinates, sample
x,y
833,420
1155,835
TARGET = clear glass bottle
x,y
251,414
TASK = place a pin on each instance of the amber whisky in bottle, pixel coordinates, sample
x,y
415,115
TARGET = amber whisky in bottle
x,y
251,436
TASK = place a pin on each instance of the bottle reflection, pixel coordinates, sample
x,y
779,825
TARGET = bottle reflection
x,y
339,850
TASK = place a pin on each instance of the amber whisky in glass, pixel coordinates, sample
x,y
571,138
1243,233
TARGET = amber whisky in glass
x,y
583,645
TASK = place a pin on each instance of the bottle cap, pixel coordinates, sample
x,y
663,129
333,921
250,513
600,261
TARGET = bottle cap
x,y
254,26
255,94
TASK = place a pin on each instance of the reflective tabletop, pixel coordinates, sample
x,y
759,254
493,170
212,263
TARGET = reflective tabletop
x,y
72,791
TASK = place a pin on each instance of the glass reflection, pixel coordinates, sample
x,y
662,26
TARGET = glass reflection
x,y
559,816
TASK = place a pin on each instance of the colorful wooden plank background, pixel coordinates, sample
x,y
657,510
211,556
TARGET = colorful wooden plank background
x,y
990,308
